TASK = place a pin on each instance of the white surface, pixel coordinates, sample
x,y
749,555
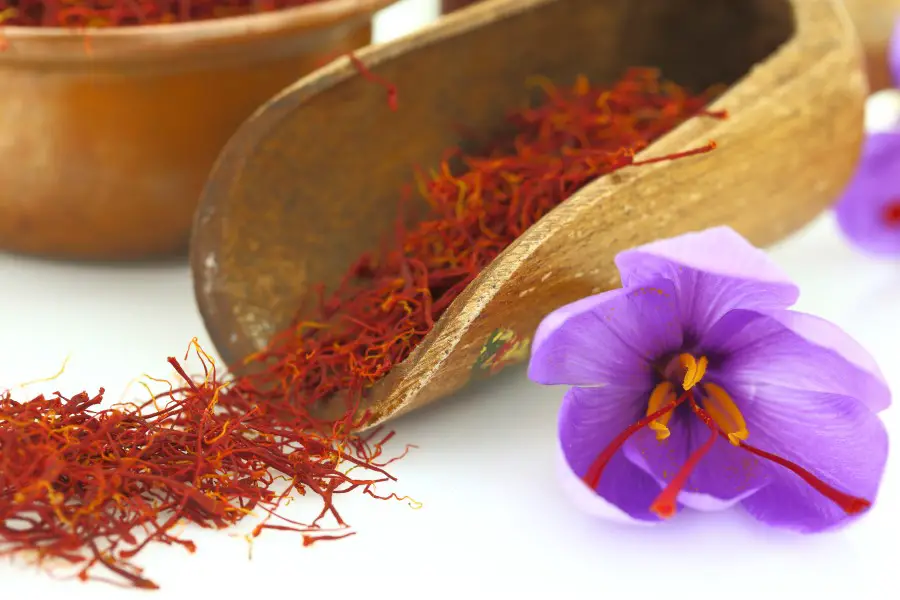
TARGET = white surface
x,y
883,111
494,521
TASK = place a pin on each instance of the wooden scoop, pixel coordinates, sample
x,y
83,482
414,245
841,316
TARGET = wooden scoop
x,y
875,21
313,179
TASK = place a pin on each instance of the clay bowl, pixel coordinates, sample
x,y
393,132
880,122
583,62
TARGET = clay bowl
x,y
448,6
312,179
875,21
108,136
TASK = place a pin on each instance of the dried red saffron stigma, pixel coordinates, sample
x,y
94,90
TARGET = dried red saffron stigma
x,y
392,96
95,487
389,301
722,417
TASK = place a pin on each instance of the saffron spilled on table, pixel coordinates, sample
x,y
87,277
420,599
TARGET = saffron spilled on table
x,y
94,486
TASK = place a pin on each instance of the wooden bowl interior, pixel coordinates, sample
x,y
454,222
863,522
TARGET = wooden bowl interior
x,y
336,162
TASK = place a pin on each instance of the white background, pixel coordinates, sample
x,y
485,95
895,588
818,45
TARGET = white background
x,y
494,521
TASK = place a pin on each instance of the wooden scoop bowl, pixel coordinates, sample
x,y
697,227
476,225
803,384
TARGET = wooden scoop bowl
x,y
312,180
875,21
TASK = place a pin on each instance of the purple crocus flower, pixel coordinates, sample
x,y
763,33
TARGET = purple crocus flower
x,y
869,210
695,386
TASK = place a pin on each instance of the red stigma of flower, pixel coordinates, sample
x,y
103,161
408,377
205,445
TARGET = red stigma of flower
x,y
890,214
665,504
852,505
592,477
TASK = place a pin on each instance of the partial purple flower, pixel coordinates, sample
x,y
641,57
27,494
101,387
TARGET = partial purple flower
x,y
695,386
869,210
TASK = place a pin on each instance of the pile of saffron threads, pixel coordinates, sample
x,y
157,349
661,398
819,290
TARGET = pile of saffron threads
x,y
388,302
124,13
93,487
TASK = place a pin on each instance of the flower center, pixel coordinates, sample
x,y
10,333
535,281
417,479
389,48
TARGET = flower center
x,y
689,372
720,414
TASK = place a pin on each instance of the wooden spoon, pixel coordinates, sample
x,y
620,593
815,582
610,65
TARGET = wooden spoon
x,y
312,180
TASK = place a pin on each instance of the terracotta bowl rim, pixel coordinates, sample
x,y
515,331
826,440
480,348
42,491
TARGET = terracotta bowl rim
x,y
24,42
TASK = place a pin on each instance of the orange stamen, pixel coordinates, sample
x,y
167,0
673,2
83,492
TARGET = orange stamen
x,y
724,412
662,394
665,504
694,369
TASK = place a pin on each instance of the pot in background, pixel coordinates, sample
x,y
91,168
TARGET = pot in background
x,y
108,135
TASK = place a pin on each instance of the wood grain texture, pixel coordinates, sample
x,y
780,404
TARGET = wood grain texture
x,y
108,137
448,6
313,178
875,21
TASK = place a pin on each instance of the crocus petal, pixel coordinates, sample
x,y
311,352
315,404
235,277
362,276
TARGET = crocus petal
x,y
725,476
875,185
589,420
608,338
836,438
713,271
793,350
587,500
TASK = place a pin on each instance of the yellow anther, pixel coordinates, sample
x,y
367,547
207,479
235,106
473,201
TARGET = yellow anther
x,y
694,369
662,394
724,412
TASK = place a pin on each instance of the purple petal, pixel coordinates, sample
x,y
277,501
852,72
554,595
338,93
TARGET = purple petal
x,y
873,189
589,419
836,438
608,338
588,501
725,476
714,271
793,350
